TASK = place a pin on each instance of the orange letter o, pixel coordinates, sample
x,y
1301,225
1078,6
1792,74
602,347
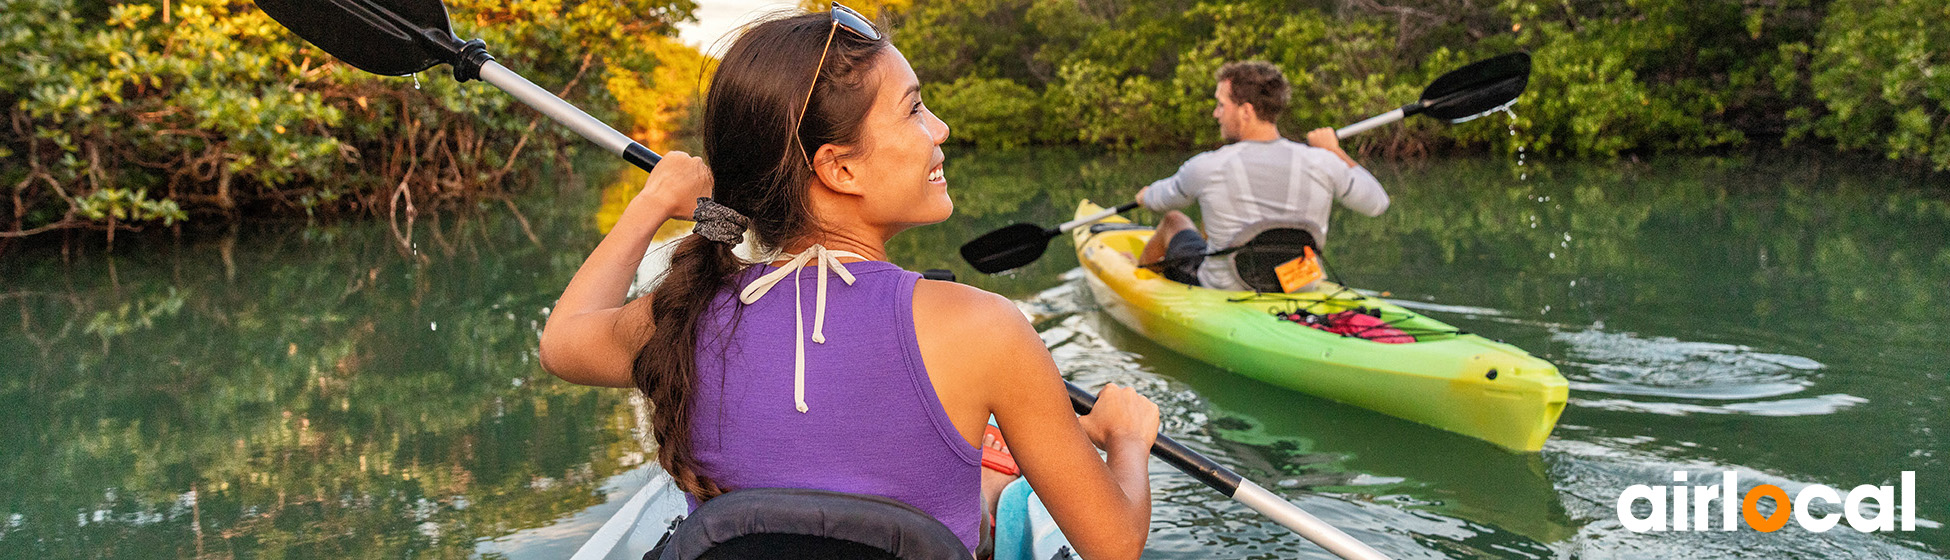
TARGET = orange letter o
x,y
1750,508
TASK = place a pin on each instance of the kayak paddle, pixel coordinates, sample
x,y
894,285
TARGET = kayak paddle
x,y
1472,91
401,37
1483,87
1245,491
1017,245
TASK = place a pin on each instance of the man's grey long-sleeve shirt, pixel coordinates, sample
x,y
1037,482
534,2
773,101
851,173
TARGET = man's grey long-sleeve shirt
x,y
1246,183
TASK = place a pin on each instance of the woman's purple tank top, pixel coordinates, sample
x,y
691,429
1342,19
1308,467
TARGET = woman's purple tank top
x,y
873,424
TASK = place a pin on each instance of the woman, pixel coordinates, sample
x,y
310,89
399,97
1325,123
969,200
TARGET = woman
x,y
819,145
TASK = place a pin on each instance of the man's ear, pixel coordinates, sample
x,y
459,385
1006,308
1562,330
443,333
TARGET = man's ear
x,y
1252,113
836,171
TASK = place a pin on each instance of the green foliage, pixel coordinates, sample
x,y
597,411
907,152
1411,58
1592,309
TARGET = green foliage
x,y
1883,79
991,112
118,205
1104,108
1652,75
158,111
1140,75
1610,77
211,106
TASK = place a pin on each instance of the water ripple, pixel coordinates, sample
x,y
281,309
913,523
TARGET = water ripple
x,y
1810,406
1623,363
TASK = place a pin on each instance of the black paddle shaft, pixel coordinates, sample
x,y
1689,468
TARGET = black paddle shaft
x,y
1187,461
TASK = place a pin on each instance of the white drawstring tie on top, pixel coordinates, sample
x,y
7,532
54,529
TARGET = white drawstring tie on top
x,y
825,258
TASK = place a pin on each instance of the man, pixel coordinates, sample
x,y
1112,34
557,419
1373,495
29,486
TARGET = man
x,y
1259,177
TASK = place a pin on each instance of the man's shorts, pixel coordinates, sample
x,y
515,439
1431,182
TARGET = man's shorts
x,y
1183,255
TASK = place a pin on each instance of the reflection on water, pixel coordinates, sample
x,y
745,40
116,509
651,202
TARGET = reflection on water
x,y
304,391
320,391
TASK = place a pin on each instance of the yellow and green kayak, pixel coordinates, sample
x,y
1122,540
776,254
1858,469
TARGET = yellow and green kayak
x,y
1448,379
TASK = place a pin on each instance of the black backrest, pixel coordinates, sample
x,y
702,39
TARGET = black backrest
x,y
1266,249
799,547
811,524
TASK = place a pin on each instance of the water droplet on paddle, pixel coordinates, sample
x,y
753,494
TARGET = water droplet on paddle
x,y
416,85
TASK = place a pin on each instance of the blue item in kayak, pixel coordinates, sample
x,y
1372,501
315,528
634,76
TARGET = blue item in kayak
x,y
1024,530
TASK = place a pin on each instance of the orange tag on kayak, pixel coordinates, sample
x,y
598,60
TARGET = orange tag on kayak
x,y
1299,273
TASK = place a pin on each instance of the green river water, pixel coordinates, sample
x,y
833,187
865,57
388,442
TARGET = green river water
x,y
371,390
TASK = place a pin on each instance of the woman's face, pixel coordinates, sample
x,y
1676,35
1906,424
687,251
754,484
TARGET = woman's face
x,y
900,165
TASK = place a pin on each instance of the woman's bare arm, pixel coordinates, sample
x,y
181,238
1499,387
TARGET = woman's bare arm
x,y
593,335
983,344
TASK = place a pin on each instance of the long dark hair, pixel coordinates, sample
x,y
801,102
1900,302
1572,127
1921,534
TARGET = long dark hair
x,y
761,169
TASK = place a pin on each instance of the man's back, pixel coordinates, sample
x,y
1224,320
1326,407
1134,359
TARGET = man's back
x,y
1246,183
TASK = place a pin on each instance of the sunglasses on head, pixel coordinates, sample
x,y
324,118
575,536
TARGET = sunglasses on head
x,y
843,18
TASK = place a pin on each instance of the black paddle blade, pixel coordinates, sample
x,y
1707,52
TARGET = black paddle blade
x,y
1483,86
385,37
1007,248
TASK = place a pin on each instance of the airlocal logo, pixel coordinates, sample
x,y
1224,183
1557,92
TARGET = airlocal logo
x,y
1673,504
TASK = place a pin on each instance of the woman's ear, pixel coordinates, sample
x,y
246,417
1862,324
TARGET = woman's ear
x,y
836,171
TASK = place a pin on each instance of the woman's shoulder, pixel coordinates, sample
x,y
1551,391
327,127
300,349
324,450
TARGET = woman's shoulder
x,y
972,341
945,302
971,319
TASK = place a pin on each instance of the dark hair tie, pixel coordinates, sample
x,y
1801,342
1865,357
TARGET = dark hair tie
x,y
718,222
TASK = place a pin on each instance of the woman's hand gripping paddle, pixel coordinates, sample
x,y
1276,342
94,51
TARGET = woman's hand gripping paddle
x,y
400,37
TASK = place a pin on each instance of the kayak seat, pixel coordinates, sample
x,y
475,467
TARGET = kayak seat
x,y
1269,244
807,524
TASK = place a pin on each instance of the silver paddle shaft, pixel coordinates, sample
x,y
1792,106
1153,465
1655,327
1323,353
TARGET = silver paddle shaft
x,y
561,111
1312,528
1087,220
534,96
1372,122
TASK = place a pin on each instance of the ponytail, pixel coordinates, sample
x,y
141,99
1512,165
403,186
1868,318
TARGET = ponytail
x,y
666,367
